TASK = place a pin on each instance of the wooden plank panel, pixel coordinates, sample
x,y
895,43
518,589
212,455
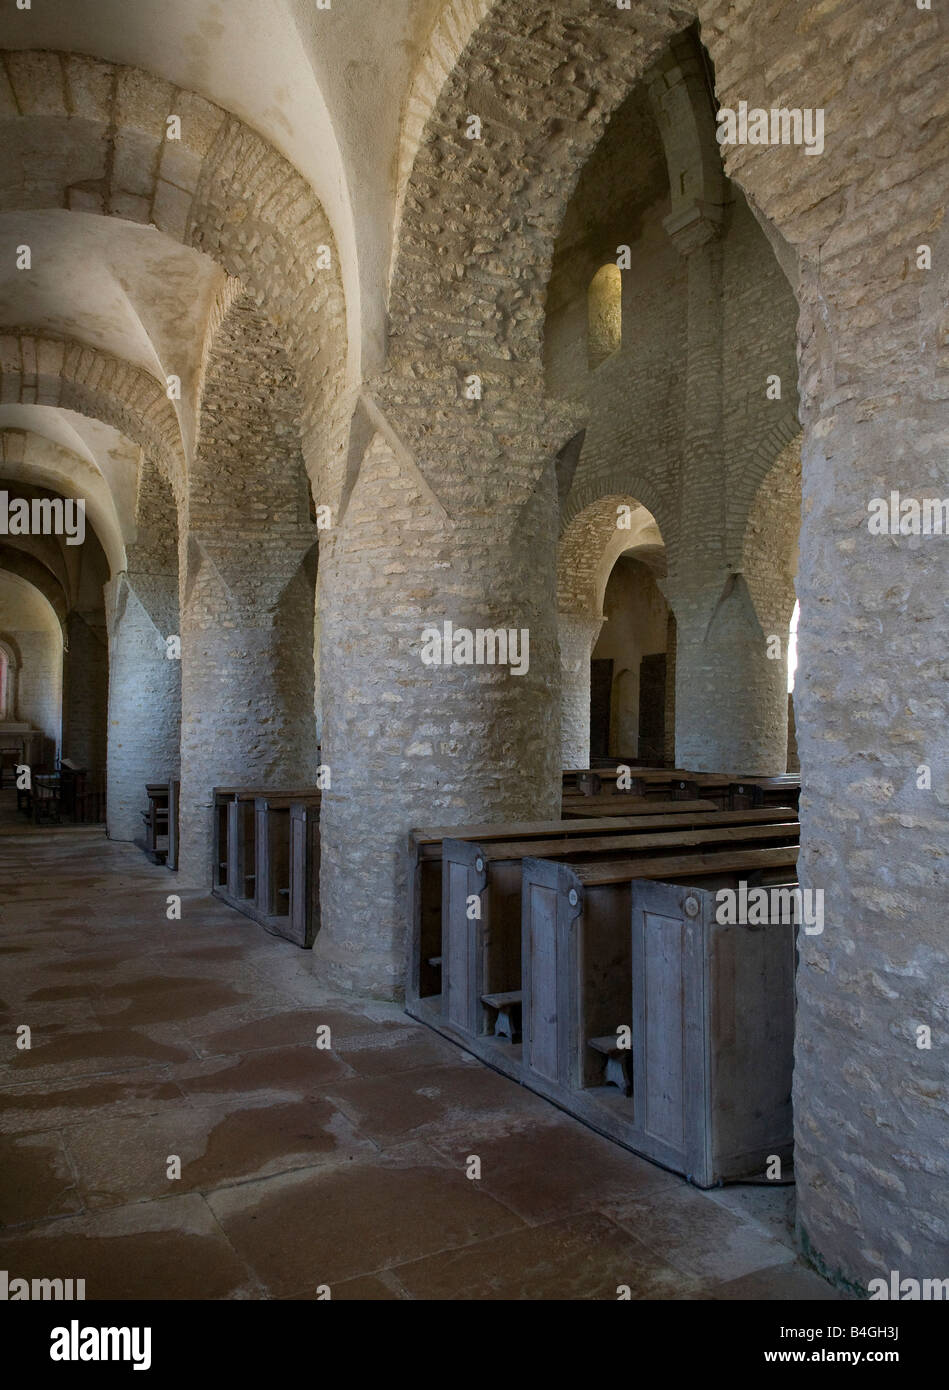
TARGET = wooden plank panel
x,y
674,866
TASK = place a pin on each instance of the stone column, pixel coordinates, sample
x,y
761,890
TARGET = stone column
x,y
871,1087
86,690
247,713
411,744
578,634
731,698
144,695
731,705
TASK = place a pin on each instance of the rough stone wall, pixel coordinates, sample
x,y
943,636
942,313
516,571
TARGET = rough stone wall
x,y
247,590
31,629
414,744
144,681
578,634
144,709
633,440
39,689
870,1105
769,554
759,316
679,416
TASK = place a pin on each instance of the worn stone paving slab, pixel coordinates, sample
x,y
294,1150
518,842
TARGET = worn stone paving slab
x,y
583,1257
425,1100
283,1072
41,1105
173,1249
92,1049
37,1180
779,1283
698,1236
116,1163
333,1223
545,1169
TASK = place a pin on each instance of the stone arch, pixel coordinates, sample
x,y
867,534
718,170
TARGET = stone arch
x,y
622,487
62,372
590,545
29,567
221,188
769,545
777,452
63,471
31,622
10,663
516,69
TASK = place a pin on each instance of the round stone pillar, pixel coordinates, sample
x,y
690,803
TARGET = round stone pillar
x,y
731,700
247,713
578,634
871,1084
144,696
412,743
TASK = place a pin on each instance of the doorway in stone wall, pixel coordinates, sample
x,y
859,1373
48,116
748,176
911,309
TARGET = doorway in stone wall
x,y
601,691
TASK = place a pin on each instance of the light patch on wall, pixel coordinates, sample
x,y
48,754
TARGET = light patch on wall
x,y
792,646
605,308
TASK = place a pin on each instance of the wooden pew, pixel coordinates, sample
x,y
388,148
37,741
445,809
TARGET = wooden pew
x,y
764,791
304,917
73,782
234,869
266,857
423,974
286,823
481,955
710,1007
174,796
731,793
90,804
619,805
587,975
155,820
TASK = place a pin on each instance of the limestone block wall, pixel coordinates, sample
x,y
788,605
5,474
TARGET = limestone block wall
x,y
144,704
39,688
578,635
870,700
412,744
31,629
247,565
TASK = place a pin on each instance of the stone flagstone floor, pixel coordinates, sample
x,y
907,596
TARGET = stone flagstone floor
x,y
300,1167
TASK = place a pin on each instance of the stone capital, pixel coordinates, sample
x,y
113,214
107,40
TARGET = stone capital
x,y
694,225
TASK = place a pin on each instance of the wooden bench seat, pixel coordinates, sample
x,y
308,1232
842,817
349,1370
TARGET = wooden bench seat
x,y
616,1058
615,941
593,806
710,1007
266,857
155,822
287,857
425,871
482,954
507,1010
